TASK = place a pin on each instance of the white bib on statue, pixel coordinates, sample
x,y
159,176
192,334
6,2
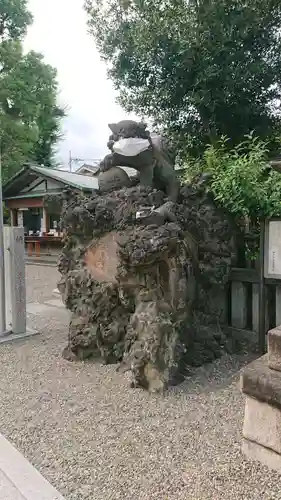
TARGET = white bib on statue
x,y
132,146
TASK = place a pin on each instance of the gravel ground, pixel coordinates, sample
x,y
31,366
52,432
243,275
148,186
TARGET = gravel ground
x,y
94,438
41,281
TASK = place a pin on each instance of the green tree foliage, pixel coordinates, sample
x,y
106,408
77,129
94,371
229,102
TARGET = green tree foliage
x,y
201,68
14,19
241,179
29,115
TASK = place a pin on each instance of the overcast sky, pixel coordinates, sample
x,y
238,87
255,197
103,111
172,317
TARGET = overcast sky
x,y
59,32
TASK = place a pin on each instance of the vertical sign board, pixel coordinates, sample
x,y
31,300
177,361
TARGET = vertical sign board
x,y
272,251
18,287
15,279
8,289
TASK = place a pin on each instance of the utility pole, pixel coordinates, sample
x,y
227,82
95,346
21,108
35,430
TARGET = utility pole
x,y
70,162
2,263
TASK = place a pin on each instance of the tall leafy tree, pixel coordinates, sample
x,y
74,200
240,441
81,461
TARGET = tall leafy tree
x,y
201,68
29,115
14,19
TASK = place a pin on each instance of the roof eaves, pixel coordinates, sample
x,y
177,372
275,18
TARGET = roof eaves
x,y
25,168
50,175
32,195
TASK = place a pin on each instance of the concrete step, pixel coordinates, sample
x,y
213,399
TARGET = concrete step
x,y
41,261
50,307
19,480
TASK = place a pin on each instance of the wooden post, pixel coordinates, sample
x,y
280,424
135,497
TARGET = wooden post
x,y
256,309
46,220
262,291
13,217
37,248
238,305
20,218
43,226
29,248
278,305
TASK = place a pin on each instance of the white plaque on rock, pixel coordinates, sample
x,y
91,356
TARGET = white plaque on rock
x,y
272,253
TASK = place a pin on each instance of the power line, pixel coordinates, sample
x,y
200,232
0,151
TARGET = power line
x,y
77,160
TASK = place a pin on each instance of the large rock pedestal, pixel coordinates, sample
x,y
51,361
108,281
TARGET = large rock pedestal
x,y
140,275
261,383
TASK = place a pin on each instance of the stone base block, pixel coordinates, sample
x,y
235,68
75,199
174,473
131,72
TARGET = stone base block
x,y
262,383
262,424
13,337
274,348
267,457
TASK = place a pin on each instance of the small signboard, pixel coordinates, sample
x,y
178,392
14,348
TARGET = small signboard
x,y
272,251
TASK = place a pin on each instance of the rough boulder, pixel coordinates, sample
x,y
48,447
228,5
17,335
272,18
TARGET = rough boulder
x,y
140,274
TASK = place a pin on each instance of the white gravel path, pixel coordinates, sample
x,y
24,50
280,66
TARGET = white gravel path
x,y
94,438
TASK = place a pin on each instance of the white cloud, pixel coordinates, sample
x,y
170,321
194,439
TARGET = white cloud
x,y
59,32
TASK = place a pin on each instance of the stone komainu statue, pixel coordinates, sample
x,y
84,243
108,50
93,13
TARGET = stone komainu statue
x,y
154,161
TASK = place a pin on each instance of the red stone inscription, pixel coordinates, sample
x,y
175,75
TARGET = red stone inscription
x,y
102,260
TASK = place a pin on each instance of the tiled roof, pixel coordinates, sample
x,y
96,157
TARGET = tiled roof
x,y
29,173
72,179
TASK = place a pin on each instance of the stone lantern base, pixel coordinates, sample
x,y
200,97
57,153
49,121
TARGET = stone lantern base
x,y
261,383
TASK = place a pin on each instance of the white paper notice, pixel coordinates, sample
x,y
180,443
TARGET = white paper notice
x,y
274,248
